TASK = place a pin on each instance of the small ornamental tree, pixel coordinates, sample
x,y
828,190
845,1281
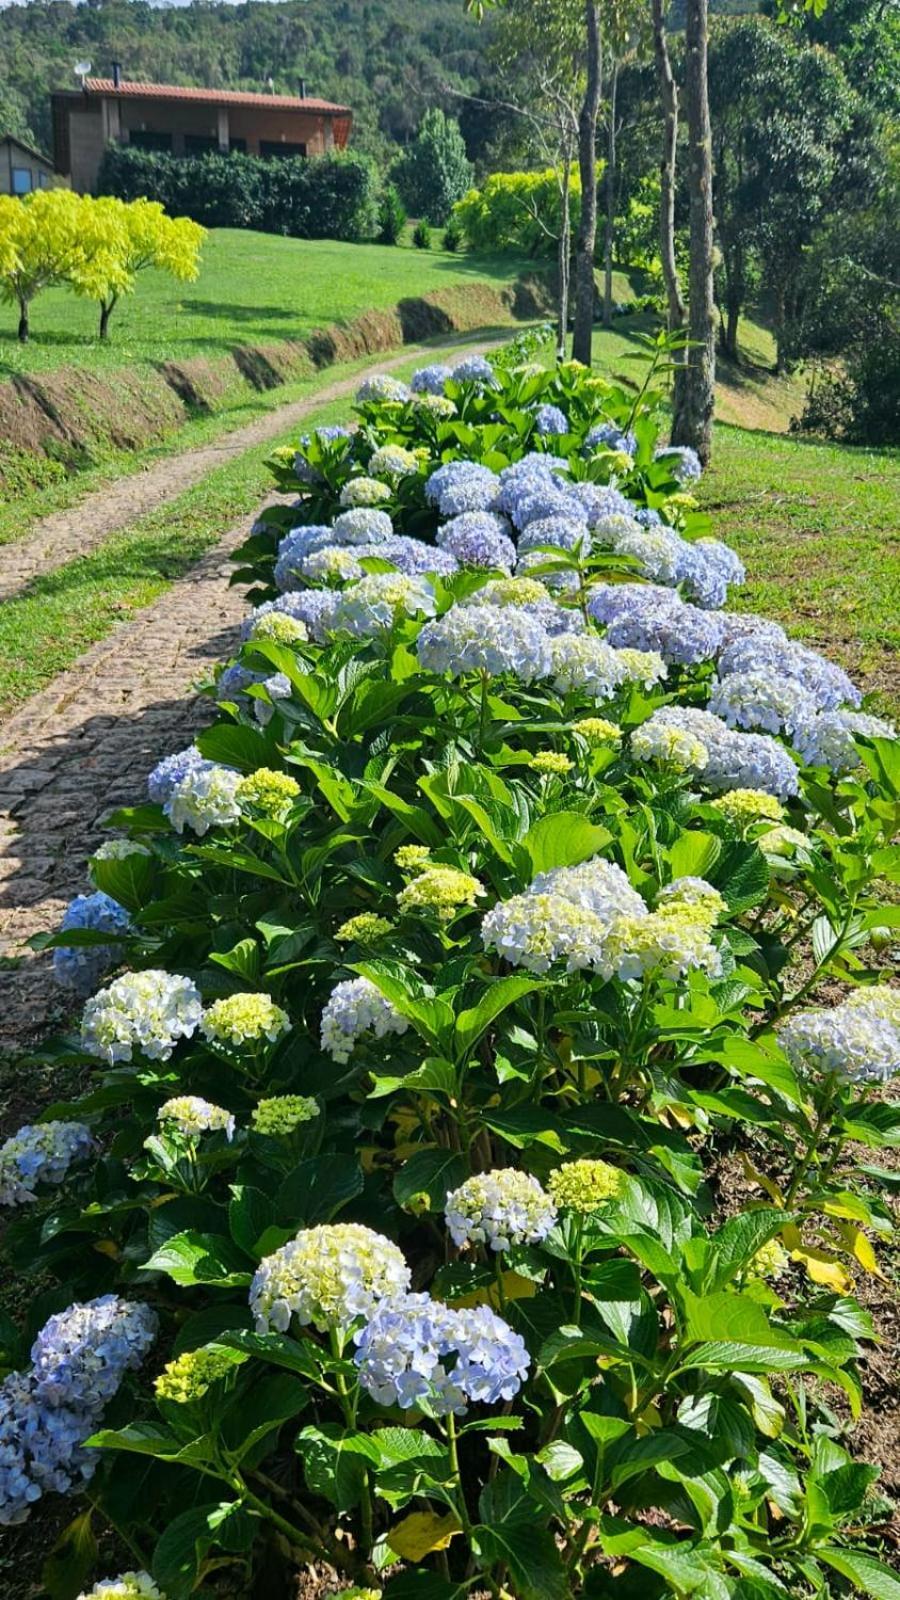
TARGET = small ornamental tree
x,y
40,245
435,172
125,239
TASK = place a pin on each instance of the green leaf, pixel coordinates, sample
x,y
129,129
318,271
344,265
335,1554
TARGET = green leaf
x,y
430,1172
738,1356
128,879
335,1461
275,1348
529,1551
471,1024
738,1240
693,854
250,1213
66,1570
420,1584
273,1400
562,839
182,1547
867,1574
238,746
741,876
191,1258
318,1188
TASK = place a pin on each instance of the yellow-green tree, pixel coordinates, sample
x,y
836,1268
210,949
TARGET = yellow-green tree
x,y
123,239
40,245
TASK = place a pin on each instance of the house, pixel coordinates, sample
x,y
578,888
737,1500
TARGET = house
x,y
186,122
23,169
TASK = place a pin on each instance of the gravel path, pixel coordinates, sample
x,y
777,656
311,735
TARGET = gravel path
x,y
75,532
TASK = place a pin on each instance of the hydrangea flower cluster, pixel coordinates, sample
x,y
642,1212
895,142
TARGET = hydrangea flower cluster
x,y
586,1185
764,647
328,1277
294,606
356,1008
378,602
549,420
431,380
441,889
364,492
80,967
169,772
460,486
414,1351
858,1041
129,1586
684,462
744,807
191,1115
597,731
559,532
551,763
39,1153
206,797
478,539
190,1375
148,1012
475,369
79,1360
244,1019
584,664
499,1209
282,1114
381,387
275,627
651,617
757,700
267,793
566,914
332,564
699,742
829,740
365,928
483,638
119,850
392,461
610,437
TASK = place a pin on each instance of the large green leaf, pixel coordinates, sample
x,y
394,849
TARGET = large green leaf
x,y
867,1574
316,1189
67,1568
738,1240
562,839
529,1551
430,1172
186,1541
335,1460
128,879
472,1023
191,1258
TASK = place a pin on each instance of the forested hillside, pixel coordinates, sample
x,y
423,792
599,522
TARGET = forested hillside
x,y
390,59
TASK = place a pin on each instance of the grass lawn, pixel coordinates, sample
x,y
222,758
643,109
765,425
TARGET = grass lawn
x,y
252,288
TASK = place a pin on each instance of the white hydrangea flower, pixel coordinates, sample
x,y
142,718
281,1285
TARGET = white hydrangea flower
x,y
130,1586
145,1011
205,798
854,1041
191,1114
499,1209
392,461
379,601
327,1276
364,492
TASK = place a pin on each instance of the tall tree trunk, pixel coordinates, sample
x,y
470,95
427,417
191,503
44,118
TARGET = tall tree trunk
x,y
564,262
105,314
610,197
24,329
677,311
587,165
692,422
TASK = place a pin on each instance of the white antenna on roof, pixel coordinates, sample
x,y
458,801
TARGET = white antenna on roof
x,y
82,68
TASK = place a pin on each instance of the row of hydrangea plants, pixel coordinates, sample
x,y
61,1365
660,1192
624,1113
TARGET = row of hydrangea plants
x,y
466,1196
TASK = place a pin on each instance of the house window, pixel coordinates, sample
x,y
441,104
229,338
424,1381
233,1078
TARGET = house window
x,y
198,144
272,147
143,139
21,180
44,180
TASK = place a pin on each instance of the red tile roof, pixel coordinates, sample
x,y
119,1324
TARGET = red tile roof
x,y
210,97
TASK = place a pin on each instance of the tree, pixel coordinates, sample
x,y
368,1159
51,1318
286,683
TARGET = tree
x,y
435,172
40,245
692,419
677,310
625,33
791,141
121,240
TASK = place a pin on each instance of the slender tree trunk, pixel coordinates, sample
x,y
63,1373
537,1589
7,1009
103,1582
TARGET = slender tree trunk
x,y
585,289
692,423
677,311
24,327
730,341
564,261
105,314
610,197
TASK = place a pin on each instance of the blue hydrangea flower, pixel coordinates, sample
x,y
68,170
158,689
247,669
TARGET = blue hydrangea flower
x,y
550,419
475,369
478,539
362,525
81,968
764,651
38,1153
611,437
170,771
414,557
431,380
490,639
758,700
599,501
538,500
684,462
650,617
647,517
414,1351
562,532
460,486
828,740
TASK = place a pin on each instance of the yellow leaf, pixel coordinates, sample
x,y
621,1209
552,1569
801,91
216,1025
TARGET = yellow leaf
x,y
860,1247
515,1287
824,1268
107,1247
421,1532
762,1182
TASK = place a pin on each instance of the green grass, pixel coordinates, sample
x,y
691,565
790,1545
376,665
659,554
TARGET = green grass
x,y
253,288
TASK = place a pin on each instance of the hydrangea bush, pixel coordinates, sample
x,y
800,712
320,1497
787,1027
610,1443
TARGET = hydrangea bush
x,y
492,912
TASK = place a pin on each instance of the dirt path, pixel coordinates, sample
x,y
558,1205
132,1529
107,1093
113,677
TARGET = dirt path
x,y
75,532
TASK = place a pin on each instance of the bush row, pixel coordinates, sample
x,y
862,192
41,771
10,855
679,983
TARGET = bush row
x,y
463,1136
333,196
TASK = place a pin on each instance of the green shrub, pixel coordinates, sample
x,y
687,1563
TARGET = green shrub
x,y
453,235
516,211
422,236
435,171
391,215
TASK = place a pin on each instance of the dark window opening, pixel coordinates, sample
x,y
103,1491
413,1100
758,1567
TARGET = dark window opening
x,y
198,144
143,139
21,180
274,147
